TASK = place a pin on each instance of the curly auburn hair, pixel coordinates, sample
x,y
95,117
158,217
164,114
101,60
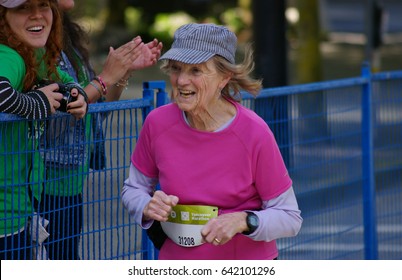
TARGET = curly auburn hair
x,y
53,46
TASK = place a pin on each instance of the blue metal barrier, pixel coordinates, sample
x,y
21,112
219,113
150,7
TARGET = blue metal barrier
x,y
335,164
149,90
344,146
369,203
148,93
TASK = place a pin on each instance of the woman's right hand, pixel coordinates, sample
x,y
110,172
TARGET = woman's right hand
x,y
160,206
52,95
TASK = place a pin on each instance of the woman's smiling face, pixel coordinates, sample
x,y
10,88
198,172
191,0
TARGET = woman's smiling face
x,y
31,22
195,86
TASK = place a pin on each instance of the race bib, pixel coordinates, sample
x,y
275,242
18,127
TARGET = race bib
x,y
185,223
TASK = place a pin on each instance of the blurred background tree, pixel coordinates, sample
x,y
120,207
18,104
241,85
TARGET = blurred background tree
x,y
309,37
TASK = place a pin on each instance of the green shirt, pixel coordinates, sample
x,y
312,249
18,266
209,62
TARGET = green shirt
x,y
21,166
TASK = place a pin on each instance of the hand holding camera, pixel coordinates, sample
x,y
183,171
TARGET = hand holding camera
x,y
69,96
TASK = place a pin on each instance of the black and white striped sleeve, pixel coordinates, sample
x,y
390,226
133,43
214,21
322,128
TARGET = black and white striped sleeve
x,y
31,105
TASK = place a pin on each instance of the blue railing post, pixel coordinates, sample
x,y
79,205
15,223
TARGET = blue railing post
x,y
147,94
149,251
162,96
148,248
369,203
149,88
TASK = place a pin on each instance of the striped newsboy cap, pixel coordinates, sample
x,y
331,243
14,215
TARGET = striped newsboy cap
x,y
11,3
195,43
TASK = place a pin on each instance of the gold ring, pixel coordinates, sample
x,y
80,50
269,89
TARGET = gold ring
x,y
217,240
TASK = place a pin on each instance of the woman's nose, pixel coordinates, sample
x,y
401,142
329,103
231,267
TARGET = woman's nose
x,y
35,12
182,78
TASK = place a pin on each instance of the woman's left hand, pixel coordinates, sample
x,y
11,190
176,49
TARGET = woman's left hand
x,y
150,54
221,229
77,108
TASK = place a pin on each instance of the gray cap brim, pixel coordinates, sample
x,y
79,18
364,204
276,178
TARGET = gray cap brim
x,y
187,56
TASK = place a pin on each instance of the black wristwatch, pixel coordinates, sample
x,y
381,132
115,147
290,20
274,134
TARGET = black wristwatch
x,y
252,223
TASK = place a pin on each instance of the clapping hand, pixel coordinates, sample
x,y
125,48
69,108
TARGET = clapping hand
x,y
150,54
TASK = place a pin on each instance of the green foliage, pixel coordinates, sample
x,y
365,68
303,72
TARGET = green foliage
x,y
133,19
166,24
233,18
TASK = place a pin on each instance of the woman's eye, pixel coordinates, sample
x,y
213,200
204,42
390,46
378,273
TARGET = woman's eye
x,y
175,68
196,71
44,4
23,7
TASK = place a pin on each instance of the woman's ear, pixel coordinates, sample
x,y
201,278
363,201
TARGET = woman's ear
x,y
225,81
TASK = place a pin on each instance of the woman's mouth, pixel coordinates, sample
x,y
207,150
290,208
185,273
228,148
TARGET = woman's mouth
x,y
186,93
38,28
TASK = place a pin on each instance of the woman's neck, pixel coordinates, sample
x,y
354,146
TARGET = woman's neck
x,y
213,117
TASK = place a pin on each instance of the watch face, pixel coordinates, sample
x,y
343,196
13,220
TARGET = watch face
x,y
252,223
253,220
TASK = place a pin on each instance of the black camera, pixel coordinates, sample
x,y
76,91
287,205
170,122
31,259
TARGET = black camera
x,y
64,89
67,97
